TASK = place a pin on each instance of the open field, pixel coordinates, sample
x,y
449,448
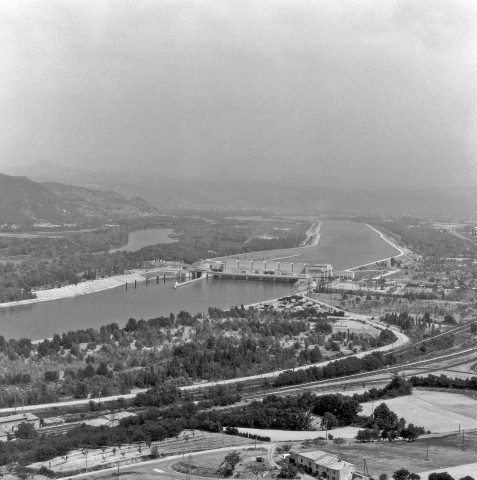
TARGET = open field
x,y
354,326
438,412
387,457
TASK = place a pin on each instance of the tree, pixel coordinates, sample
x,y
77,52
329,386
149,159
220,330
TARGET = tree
x,y
384,417
450,319
226,468
232,459
404,474
367,435
102,369
383,476
81,390
467,477
288,471
440,476
51,376
26,431
412,432
329,421
22,472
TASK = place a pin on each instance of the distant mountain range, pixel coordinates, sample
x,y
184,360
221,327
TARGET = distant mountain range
x,y
167,193
23,201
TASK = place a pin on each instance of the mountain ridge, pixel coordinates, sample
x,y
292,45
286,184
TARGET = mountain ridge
x,y
192,193
23,201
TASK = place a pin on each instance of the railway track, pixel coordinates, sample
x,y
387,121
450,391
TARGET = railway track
x,y
359,379
249,389
407,348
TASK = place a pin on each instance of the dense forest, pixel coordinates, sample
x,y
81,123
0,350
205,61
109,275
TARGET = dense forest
x,y
442,381
338,368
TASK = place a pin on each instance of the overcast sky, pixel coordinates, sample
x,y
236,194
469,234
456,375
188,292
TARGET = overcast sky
x,y
351,90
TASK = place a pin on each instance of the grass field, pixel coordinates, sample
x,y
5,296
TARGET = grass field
x,y
438,412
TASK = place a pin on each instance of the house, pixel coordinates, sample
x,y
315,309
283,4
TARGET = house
x,y
322,465
109,420
8,425
114,418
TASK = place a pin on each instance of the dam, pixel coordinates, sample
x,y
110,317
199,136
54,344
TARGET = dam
x,y
262,270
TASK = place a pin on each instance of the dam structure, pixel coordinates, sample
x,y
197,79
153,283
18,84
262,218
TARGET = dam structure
x,y
262,270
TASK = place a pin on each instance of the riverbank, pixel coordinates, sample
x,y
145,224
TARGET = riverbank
x,y
312,236
402,250
93,286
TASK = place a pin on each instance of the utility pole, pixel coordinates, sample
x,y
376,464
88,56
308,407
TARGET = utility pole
x,y
365,467
427,451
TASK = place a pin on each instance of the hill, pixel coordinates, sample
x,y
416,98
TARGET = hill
x,y
99,204
23,201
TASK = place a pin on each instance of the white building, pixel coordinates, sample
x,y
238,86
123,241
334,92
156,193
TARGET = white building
x,y
322,464
9,424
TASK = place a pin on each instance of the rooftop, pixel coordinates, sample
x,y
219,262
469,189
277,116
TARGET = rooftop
x,y
325,459
19,417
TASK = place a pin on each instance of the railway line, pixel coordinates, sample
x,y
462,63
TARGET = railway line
x,y
249,389
367,378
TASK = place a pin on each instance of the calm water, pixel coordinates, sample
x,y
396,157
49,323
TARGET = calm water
x,y
343,244
143,238
40,320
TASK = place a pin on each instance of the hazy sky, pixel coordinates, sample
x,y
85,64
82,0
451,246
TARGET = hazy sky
x,y
351,90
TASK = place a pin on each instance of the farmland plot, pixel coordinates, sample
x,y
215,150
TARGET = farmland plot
x,y
438,412
187,441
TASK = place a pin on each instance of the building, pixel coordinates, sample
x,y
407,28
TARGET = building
x,y
344,274
322,465
8,425
317,270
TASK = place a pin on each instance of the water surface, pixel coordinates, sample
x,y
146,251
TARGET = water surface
x,y
41,320
343,244
143,238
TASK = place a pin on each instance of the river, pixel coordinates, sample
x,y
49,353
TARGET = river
x,y
343,244
40,320
142,238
